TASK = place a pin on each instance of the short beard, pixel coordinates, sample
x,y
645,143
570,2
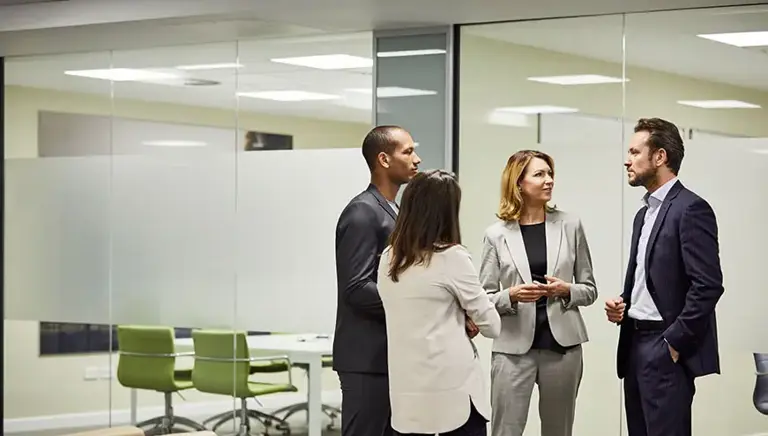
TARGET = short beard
x,y
644,179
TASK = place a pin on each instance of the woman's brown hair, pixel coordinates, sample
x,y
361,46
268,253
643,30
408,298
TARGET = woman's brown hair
x,y
511,204
428,221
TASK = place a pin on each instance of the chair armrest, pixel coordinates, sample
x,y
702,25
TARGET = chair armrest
x,y
135,354
283,358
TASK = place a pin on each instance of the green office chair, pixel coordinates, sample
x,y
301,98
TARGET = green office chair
x,y
223,366
257,367
148,361
332,412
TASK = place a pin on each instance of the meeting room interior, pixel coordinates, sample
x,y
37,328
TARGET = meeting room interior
x,y
169,210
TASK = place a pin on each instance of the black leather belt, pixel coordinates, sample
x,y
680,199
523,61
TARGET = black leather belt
x,y
644,325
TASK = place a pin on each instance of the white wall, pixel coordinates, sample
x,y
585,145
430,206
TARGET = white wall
x,y
43,386
591,183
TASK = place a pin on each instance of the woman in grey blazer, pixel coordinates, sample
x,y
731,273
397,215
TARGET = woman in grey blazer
x,y
537,268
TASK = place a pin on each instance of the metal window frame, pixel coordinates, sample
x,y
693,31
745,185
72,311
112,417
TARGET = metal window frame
x,y
451,83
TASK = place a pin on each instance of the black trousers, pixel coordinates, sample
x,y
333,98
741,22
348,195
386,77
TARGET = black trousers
x,y
476,425
365,408
658,392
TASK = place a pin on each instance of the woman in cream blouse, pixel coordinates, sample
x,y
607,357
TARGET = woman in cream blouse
x,y
431,296
537,268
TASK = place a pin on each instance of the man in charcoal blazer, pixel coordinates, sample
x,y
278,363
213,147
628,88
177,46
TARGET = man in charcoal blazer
x,y
362,233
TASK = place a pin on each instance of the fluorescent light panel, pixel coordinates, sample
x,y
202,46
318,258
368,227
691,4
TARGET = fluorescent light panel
x,y
327,62
219,66
503,118
578,79
122,74
543,109
406,53
394,91
719,104
739,39
288,95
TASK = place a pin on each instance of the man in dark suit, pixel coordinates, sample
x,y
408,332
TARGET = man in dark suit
x,y
668,333
362,233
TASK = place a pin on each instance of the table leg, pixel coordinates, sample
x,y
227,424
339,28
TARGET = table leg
x,y
134,406
315,397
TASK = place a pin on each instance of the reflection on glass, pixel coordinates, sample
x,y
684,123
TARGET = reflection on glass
x,y
411,78
56,245
131,200
705,75
525,86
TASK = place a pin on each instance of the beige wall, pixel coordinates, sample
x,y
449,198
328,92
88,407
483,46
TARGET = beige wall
x,y
44,386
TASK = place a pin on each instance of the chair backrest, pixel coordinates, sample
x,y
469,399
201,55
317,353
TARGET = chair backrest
x,y
147,358
222,364
760,396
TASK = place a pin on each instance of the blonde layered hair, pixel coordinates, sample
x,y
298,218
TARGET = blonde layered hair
x,y
511,204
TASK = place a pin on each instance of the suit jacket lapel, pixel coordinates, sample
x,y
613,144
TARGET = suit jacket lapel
x,y
514,240
554,231
659,221
637,228
382,201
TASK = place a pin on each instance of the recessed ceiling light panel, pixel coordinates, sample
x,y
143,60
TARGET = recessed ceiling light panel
x,y
739,39
122,75
229,65
394,91
578,79
406,53
500,117
327,62
719,104
534,110
288,95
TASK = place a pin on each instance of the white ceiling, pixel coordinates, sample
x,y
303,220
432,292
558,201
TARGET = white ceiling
x,y
661,41
65,26
326,14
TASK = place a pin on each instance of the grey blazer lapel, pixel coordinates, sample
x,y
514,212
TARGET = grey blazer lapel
x,y
513,238
554,229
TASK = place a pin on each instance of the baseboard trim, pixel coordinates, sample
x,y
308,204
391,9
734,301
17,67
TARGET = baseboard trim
x,y
198,411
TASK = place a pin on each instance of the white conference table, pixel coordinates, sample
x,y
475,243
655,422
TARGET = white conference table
x,y
308,349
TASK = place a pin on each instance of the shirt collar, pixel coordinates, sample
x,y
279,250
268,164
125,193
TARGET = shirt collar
x,y
658,196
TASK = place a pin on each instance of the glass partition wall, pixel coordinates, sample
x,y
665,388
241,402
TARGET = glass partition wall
x,y
182,187
574,88
154,192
